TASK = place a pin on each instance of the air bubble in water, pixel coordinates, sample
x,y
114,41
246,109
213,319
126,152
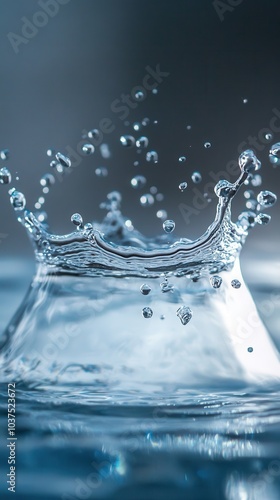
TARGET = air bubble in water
x,y
152,156
216,281
263,219
138,181
168,226
235,284
147,312
63,160
142,142
47,180
161,214
4,154
182,159
145,289
101,172
185,314
196,177
127,141
207,144
248,162
250,349
139,96
94,134
183,186
18,200
77,219
267,198
147,200
88,149
5,176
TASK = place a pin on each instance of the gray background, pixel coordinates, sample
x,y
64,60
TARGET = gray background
x,y
66,77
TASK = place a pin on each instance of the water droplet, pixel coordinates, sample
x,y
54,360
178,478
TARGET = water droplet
x,y
183,186
136,163
138,181
189,127
235,284
94,134
50,152
77,220
152,156
145,289
5,176
47,180
137,126
245,101
223,188
274,154
247,219
250,349
249,194
268,137
105,151
53,164
4,154
185,314
142,142
153,190
161,214
267,198
139,96
263,219
207,145
166,286
168,226
63,160
155,91
147,312
88,149
115,199
256,180
159,197
145,122
101,172
147,200
248,161
127,141
182,159
155,122
18,200
216,281
196,177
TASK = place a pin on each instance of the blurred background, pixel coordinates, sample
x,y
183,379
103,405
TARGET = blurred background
x,y
65,67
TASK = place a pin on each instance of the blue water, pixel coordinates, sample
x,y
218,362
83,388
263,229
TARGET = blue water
x,y
76,442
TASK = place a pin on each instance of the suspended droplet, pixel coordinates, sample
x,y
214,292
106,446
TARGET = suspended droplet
x,y
268,137
248,161
5,176
53,164
105,151
256,180
88,149
47,180
166,286
162,317
63,160
182,159
153,190
216,281
159,197
77,220
147,200
142,142
18,200
4,154
145,122
189,127
183,186
250,349
145,289
168,226
247,219
50,152
196,177
245,101
137,126
207,145
267,198
185,314
155,91
127,141
94,134
136,163
152,156
161,214
147,312
139,95
235,284
263,219
138,181
101,172
274,154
